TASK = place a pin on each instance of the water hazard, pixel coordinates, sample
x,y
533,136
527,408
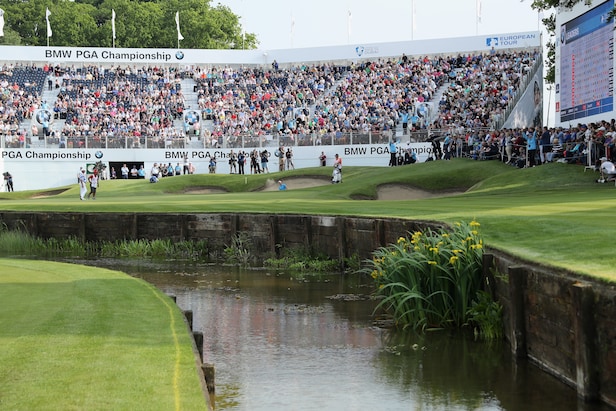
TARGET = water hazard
x,y
283,341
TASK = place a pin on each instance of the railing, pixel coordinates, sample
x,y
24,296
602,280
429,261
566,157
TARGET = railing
x,y
193,141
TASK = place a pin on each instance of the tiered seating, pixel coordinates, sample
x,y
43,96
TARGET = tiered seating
x,y
20,91
119,108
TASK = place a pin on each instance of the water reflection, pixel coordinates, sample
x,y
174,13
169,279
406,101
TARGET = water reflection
x,y
279,343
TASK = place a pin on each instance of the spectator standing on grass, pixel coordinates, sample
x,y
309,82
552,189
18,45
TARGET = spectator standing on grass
x,y
8,181
155,171
212,165
280,154
264,160
186,164
141,171
232,163
322,159
530,135
124,171
241,160
392,153
289,159
545,145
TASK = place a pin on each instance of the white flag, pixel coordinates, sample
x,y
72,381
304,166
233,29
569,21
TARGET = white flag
x,y
478,11
177,23
1,23
349,25
113,23
47,14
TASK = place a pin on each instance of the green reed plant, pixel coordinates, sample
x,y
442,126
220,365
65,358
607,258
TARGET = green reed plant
x,y
17,242
239,251
301,259
430,279
486,317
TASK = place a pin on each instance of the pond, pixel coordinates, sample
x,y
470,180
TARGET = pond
x,y
288,341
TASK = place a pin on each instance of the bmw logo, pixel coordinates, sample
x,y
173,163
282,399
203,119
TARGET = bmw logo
x,y
179,55
98,154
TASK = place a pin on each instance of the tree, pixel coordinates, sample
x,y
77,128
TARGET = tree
x,y
139,24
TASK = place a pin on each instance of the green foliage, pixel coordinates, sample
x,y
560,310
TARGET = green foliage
x,y
431,279
138,24
352,263
486,317
301,259
21,243
549,23
239,251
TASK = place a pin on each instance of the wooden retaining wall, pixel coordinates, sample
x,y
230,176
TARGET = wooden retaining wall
x,y
563,322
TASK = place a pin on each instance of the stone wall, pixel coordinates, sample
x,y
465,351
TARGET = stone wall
x,y
562,321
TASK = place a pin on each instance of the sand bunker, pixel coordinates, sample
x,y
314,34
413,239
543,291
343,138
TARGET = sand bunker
x,y
402,192
205,190
295,183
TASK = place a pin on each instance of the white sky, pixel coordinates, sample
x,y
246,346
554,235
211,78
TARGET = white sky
x,y
326,22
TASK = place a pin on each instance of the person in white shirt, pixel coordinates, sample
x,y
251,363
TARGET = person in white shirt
x,y
608,171
82,184
124,171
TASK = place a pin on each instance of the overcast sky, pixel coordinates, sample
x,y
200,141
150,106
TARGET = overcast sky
x,y
326,22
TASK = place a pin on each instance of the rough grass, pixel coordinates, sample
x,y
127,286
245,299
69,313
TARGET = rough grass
x,y
555,214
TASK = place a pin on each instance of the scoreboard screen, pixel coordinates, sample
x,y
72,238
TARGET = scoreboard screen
x,y
586,84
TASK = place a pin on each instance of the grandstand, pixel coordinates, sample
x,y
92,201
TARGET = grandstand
x,y
62,115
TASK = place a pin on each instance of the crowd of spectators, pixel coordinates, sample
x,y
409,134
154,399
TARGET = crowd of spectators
x,y
308,104
20,97
121,106
582,144
301,105
481,86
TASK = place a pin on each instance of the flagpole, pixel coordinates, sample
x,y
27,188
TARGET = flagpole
x,y
113,30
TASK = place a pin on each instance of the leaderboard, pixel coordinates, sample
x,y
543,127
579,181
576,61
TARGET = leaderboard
x,y
586,86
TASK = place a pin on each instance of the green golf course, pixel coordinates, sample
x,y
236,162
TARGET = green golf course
x,y
554,214
76,338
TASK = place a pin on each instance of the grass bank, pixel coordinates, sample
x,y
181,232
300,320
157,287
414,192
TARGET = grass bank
x,y
91,339
555,214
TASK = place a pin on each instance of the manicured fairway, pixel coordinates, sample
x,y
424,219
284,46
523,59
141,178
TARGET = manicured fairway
x,y
554,214
77,338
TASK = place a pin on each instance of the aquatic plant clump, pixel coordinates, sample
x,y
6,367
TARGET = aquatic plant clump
x,y
430,279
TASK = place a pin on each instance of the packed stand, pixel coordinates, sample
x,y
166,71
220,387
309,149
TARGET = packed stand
x,y
481,87
120,107
20,97
256,102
